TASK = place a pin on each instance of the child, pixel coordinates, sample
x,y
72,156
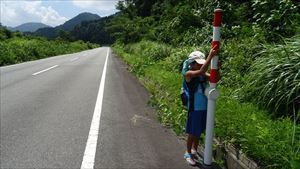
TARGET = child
x,y
195,82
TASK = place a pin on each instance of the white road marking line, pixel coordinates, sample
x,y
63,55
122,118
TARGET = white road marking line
x,y
91,145
45,70
73,59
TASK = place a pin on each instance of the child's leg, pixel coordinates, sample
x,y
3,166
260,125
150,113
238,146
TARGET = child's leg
x,y
188,156
195,143
189,143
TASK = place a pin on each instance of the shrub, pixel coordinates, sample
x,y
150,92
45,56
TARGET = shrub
x,y
5,55
21,49
279,18
237,56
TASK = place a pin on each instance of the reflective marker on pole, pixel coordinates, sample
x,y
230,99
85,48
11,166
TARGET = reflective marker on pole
x,y
216,42
212,93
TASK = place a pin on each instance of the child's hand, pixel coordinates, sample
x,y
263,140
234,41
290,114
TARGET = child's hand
x,y
213,51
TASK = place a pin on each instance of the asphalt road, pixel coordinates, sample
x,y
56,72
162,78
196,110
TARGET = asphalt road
x,y
48,107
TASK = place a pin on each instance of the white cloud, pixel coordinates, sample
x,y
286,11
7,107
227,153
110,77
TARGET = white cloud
x,y
14,13
103,7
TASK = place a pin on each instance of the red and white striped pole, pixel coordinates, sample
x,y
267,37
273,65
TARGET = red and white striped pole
x,y
212,93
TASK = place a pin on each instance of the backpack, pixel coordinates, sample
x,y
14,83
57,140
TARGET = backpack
x,y
184,92
184,96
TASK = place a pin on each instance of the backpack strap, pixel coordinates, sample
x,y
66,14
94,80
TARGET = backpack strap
x,y
202,86
203,83
192,87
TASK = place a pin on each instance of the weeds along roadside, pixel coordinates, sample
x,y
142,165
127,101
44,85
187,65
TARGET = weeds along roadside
x,y
273,143
21,49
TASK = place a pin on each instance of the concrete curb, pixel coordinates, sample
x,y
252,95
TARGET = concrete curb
x,y
232,157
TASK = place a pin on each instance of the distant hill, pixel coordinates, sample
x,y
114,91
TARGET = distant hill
x,y
29,27
68,25
49,33
93,31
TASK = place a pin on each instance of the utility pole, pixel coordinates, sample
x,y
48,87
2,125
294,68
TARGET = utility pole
x,y
212,92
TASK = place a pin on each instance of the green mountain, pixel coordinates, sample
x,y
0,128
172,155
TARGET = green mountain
x,y
49,33
29,27
69,25
94,31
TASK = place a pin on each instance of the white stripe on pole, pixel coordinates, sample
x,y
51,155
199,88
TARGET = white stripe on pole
x,y
213,85
216,33
214,62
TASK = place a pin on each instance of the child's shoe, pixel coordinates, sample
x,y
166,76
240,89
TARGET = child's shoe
x,y
189,158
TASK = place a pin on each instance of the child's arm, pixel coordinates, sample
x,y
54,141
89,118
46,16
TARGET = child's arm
x,y
207,75
193,73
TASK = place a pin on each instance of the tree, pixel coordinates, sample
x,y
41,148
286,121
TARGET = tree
x,y
65,35
133,8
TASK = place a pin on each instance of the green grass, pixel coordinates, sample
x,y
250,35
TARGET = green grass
x,y
272,143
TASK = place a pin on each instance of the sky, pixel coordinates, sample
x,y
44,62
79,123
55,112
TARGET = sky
x,y
51,12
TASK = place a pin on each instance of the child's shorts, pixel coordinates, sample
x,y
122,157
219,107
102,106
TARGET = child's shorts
x,y
196,122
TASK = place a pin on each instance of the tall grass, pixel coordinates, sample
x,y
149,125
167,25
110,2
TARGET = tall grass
x,y
274,79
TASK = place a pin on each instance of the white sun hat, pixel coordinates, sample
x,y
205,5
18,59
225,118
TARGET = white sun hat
x,y
197,56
